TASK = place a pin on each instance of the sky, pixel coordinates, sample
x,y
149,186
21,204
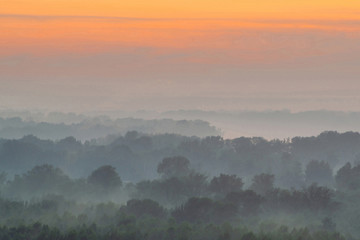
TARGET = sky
x,y
77,55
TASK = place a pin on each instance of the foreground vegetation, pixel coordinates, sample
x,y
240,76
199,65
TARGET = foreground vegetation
x,y
304,198
130,229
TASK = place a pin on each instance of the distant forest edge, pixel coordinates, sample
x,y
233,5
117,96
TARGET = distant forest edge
x,y
267,124
294,162
91,128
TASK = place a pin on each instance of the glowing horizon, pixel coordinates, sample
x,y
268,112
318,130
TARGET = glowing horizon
x,y
187,9
159,48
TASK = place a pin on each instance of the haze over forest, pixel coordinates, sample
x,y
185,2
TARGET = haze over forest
x,y
179,120
229,124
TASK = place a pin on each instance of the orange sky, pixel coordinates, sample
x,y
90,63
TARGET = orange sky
x,y
43,36
332,9
66,29
254,46
93,26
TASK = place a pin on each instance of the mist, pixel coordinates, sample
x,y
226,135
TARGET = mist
x,y
178,172
191,120
87,125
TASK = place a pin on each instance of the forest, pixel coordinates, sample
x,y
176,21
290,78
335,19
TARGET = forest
x,y
57,125
169,186
179,120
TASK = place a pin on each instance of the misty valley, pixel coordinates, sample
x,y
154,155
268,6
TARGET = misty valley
x,y
171,184
179,120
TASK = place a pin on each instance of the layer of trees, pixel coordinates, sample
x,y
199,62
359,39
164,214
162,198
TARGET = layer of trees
x,y
140,186
45,194
295,163
57,126
130,229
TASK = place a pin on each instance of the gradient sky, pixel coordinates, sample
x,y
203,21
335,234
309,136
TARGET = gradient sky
x,y
76,55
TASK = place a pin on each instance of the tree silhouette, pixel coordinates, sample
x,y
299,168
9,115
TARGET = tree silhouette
x,y
226,183
174,167
105,177
263,183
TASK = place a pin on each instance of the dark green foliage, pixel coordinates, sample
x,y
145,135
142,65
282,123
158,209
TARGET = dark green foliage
x,y
106,177
348,177
328,224
173,190
174,167
289,173
249,236
318,172
166,191
225,184
140,153
39,180
247,202
161,231
183,203
205,210
196,184
314,198
145,207
195,210
263,183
